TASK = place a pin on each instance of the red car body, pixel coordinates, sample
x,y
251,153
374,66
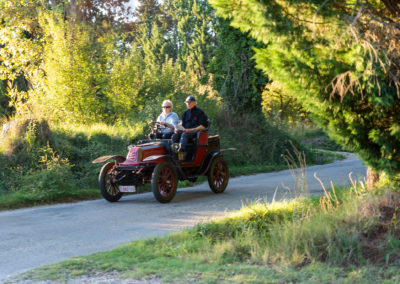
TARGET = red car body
x,y
157,161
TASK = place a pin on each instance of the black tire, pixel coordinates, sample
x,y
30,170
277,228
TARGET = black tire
x,y
108,190
218,175
164,182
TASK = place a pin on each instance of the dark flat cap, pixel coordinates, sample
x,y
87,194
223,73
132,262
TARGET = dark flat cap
x,y
190,99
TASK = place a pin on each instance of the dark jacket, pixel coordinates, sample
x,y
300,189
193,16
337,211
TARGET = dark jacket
x,y
194,117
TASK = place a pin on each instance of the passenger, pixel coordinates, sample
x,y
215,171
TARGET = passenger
x,y
193,120
168,120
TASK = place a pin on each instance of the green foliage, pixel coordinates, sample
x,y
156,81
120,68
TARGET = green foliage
x,y
315,138
20,47
4,100
84,144
192,34
29,163
233,69
84,77
280,108
78,70
43,160
337,63
73,72
257,142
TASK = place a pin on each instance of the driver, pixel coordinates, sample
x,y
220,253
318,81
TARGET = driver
x,y
168,121
193,120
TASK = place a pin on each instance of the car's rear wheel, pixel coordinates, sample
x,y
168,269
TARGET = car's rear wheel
x,y
164,182
218,175
108,188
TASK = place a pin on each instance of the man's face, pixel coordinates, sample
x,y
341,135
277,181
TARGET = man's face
x,y
190,105
166,107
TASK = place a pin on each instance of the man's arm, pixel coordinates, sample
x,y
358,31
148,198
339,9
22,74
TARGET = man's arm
x,y
198,128
203,119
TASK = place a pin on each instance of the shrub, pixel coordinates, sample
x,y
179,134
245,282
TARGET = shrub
x,y
37,157
256,141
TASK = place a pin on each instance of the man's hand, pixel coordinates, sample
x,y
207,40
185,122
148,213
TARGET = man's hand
x,y
162,123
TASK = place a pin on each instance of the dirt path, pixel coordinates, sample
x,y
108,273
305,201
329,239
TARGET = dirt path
x,y
43,235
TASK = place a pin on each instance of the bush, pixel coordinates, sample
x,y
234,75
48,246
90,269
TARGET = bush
x,y
256,141
42,182
39,158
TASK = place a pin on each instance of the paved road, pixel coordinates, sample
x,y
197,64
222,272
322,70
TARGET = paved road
x,y
33,237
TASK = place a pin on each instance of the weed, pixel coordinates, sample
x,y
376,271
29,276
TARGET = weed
x,y
296,161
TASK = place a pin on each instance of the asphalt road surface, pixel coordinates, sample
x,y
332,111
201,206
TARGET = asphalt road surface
x,y
33,237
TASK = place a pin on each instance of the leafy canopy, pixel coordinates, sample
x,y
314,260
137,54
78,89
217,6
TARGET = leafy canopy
x,y
339,58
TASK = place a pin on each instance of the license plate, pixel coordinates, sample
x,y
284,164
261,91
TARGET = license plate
x,y
127,188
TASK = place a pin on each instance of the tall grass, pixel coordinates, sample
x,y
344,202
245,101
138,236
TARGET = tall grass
x,y
308,230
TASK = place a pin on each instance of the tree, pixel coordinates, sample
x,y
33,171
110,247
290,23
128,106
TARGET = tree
x,y
73,73
189,33
24,42
233,69
150,13
340,59
278,107
192,34
114,12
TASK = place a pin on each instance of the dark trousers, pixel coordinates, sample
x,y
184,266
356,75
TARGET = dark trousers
x,y
182,138
164,135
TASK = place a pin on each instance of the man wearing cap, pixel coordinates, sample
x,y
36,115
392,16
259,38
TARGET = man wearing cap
x,y
193,119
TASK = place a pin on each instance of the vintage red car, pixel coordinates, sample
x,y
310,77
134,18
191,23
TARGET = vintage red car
x,y
158,162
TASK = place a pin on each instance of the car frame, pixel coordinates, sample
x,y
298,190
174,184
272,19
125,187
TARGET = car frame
x,y
157,161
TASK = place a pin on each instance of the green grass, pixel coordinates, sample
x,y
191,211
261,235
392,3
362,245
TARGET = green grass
x,y
187,270
350,237
15,200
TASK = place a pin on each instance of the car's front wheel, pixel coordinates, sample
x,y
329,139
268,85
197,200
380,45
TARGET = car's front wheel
x,y
108,188
218,175
164,182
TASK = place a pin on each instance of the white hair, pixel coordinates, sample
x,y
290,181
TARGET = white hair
x,y
169,102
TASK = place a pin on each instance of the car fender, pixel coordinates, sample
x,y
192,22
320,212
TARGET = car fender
x,y
166,158
155,157
212,156
102,159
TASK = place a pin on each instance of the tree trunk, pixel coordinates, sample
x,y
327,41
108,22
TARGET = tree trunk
x,y
372,178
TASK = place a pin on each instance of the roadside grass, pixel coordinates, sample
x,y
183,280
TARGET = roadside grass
x,y
20,199
351,236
